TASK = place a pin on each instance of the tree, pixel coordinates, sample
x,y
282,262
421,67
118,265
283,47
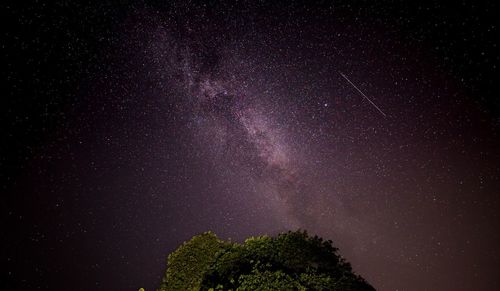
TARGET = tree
x,y
187,265
289,261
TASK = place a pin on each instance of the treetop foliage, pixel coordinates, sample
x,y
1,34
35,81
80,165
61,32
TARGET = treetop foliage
x,y
289,261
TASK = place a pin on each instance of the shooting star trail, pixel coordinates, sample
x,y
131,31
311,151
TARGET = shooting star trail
x,y
363,94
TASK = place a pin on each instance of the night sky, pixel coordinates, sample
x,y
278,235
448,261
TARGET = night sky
x,y
129,127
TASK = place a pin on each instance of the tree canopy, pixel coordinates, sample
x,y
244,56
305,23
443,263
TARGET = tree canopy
x,y
289,261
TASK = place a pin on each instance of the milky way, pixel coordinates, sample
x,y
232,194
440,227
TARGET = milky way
x,y
241,118
242,128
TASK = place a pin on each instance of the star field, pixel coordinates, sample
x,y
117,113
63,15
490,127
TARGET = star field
x,y
134,127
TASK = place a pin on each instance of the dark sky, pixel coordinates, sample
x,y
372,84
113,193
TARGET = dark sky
x,y
129,127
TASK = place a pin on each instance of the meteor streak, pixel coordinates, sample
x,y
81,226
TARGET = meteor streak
x,y
363,94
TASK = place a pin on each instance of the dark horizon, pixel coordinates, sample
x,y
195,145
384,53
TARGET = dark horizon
x,y
129,128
